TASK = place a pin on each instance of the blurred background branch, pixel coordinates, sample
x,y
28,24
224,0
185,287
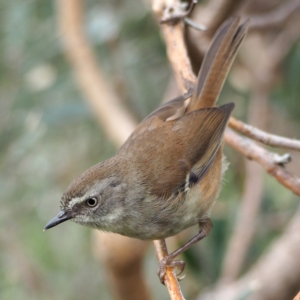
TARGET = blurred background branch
x,y
97,90
121,256
279,266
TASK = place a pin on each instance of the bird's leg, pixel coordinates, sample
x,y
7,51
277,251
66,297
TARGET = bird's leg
x,y
205,227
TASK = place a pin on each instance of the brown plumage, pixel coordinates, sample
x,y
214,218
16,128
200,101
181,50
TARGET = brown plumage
x,y
167,175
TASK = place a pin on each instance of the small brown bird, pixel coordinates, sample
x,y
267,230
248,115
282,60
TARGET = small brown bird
x,y
167,175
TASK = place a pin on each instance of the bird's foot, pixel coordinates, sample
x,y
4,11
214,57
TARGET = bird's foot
x,y
165,263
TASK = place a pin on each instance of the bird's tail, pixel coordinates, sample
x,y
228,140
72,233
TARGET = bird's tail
x,y
217,63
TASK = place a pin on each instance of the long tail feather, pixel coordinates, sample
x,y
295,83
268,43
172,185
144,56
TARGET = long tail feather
x,y
217,63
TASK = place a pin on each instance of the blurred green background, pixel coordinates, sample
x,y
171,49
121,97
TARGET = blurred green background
x,y
49,135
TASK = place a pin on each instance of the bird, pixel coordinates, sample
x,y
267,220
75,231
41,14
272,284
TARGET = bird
x,y
166,177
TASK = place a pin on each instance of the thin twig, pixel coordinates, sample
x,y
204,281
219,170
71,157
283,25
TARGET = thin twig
x,y
264,137
265,158
171,281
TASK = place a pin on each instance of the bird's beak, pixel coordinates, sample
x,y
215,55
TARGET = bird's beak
x,y
61,217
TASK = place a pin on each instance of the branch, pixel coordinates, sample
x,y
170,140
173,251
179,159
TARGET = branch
x,y
265,158
170,279
264,137
177,55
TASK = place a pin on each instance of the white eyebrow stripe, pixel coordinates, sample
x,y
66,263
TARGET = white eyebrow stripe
x,y
75,201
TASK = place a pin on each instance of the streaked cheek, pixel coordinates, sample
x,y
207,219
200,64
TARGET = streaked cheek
x,y
113,216
82,219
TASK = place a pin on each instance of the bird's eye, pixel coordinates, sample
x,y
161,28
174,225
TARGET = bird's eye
x,y
91,202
